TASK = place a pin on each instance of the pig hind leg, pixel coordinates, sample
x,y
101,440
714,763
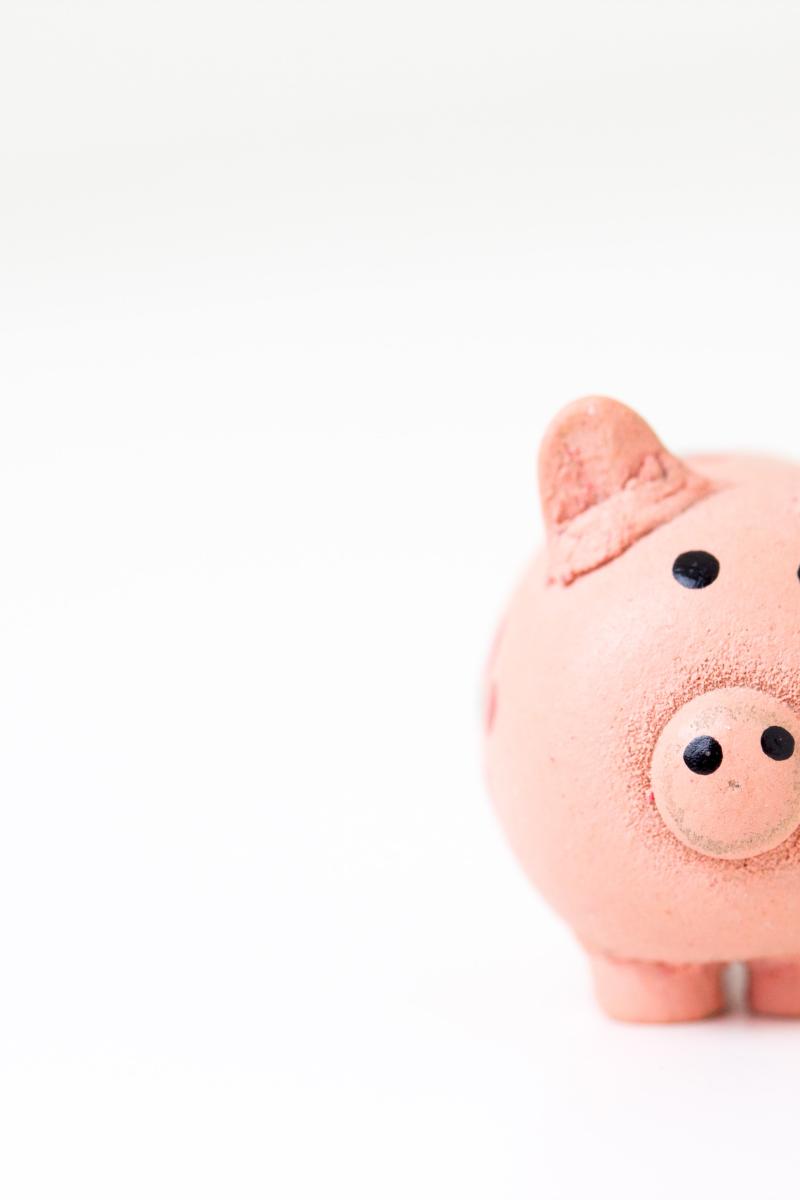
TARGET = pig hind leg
x,y
775,987
656,992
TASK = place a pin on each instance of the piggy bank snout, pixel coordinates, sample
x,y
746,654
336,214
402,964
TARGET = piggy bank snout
x,y
725,775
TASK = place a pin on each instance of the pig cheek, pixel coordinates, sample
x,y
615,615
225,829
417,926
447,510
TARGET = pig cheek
x,y
490,708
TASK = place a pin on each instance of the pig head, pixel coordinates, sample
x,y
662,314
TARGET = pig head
x,y
643,696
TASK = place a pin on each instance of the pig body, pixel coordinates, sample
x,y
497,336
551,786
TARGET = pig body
x,y
641,710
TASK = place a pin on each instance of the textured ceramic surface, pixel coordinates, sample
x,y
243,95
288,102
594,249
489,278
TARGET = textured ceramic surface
x,y
642,701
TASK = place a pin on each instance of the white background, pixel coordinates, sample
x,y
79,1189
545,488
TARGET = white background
x,y
289,292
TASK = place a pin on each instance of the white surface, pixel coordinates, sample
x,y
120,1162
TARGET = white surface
x,y
289,293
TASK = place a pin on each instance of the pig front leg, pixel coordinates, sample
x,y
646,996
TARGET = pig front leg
x,y
655,992
775,987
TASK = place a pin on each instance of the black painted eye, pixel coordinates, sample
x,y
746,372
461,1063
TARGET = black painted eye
x,y
695,569
703,755
777,743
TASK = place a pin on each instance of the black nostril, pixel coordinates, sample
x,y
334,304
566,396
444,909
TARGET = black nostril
x,y
777,743
703,755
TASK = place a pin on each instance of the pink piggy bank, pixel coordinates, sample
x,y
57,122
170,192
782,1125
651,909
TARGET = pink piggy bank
x,y
642,707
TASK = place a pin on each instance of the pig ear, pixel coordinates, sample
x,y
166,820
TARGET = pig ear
x,y
605,481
